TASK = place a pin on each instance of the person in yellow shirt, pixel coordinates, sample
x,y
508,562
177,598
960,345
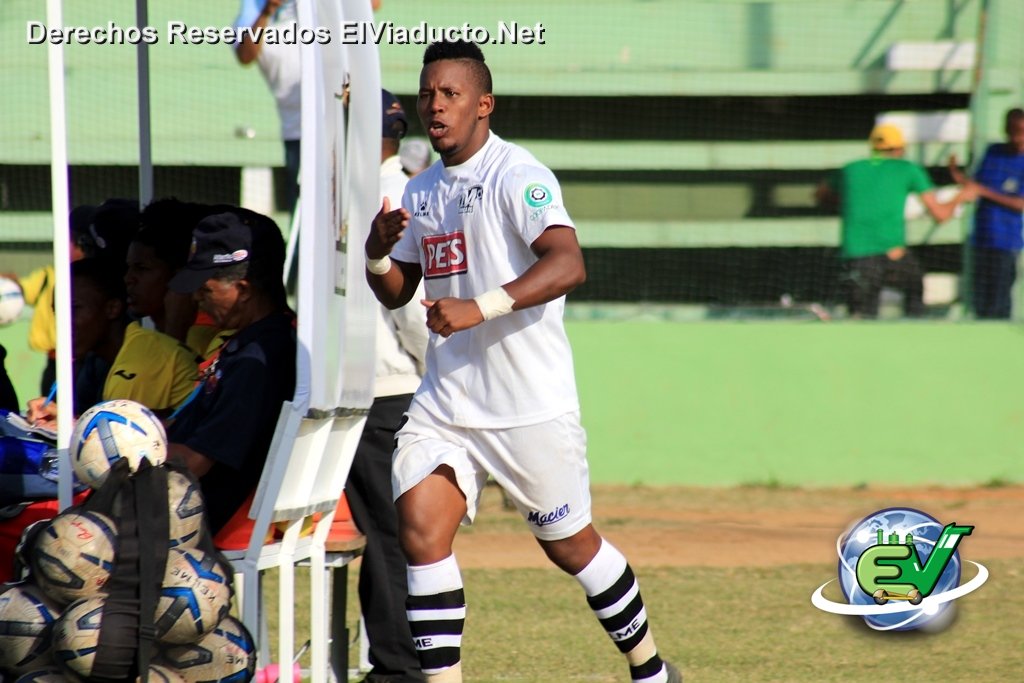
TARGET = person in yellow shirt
x,y
118,359
38,289
95,231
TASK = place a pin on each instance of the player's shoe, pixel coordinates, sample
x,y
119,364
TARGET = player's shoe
x,y
673,673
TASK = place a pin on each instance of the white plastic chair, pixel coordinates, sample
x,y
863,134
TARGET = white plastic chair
x,y
306,468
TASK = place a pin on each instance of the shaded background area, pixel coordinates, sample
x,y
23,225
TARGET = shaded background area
x,y
688,136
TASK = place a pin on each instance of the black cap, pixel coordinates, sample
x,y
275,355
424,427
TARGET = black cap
x,y
392,115
218,241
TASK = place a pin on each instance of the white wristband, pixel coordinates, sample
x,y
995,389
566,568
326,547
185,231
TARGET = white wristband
x,y
378,266
494,303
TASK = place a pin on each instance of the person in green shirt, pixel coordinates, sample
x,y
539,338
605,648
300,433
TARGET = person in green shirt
x,y
871,195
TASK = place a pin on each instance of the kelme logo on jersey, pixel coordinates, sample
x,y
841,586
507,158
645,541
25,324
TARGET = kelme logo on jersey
x,y
446,254
537,195
543,519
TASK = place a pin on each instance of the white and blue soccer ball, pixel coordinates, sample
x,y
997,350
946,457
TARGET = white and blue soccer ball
x,y
47,675
113,430
26,618
12,302
76,635
74,555
186,508
225,655
194,598
163,674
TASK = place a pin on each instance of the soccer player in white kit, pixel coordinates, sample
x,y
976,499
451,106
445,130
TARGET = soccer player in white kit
x,y
486,230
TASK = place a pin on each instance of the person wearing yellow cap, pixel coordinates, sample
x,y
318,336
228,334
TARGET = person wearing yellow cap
x,y
871,195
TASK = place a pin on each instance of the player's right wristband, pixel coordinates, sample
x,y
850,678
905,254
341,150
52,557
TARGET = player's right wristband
x,y
378,266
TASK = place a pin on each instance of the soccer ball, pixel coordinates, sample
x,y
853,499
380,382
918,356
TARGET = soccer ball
x,y
74,555
186,510
11,301
26,618
162,674
112,430
226,654
77,634
194,597
50,675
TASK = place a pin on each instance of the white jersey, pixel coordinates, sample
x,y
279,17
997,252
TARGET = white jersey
x,y
470,230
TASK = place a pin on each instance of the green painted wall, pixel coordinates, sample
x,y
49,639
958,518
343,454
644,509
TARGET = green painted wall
x,y
801,403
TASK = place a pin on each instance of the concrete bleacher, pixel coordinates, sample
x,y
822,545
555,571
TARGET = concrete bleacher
x,y
671,123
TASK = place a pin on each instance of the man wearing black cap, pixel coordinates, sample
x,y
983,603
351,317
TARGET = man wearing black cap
x,y
401,353
223,434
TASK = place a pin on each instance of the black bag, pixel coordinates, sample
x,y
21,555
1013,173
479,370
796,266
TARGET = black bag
x,y
138,503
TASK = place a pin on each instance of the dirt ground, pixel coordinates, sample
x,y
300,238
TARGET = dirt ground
x,y
747,526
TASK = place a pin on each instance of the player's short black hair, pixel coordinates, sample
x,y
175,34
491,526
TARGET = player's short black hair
x,y
1014,115
463,51
167,228
103,274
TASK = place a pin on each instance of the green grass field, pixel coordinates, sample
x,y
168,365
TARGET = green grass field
x,y
744,619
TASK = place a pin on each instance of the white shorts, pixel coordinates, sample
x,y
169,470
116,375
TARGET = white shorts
x,y
542,467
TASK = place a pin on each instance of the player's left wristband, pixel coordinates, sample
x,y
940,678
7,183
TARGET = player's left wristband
x,y
494,303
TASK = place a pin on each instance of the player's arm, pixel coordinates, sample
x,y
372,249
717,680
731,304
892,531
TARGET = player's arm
x,y
197,463
247,49
943,211
1012,202
393,282
559,269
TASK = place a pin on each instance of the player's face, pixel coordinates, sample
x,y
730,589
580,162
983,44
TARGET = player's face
x,y
221,300
92,314
453,110
1015,134
146,281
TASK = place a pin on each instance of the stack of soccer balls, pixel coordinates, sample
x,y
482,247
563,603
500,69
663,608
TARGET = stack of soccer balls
x,y
50,624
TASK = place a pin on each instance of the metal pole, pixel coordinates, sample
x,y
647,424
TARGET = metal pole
x,y
145,131
61,249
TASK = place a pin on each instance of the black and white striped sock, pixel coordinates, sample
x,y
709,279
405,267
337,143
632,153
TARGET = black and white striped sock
x,y
614,595
436,608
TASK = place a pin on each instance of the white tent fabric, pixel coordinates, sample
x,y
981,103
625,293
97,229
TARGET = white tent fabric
x,y
339,198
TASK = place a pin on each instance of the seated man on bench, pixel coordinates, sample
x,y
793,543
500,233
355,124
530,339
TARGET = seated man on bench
x,y
223,434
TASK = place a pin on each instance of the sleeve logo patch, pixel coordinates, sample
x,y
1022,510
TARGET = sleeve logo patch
x,y
537,195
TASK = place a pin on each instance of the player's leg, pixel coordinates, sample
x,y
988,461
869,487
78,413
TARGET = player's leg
x,y
863,284
383,583
437,487
906,275
981,282
1006,275
613,593
544,470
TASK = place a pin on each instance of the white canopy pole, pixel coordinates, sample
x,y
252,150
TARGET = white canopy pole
x,y
61,250
145,130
